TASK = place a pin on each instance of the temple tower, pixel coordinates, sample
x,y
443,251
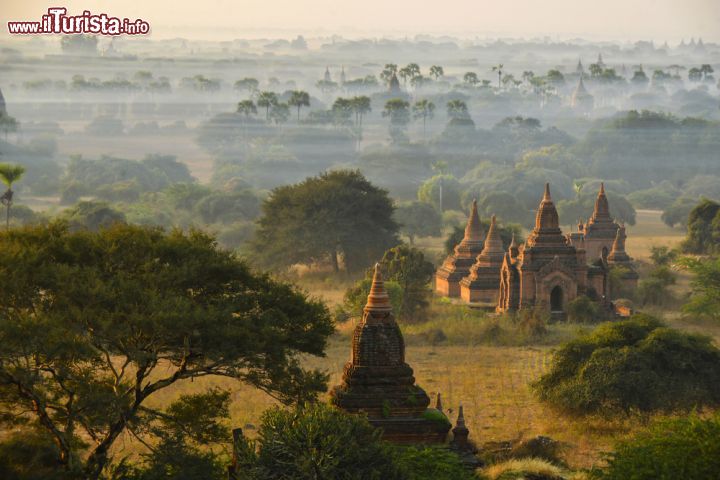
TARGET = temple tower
x,y
581,100
483,282
619,258
457,265
379,383
601,229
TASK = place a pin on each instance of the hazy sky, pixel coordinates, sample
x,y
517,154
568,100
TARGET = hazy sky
x,y
658,20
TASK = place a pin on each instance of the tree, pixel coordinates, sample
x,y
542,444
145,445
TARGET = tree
x,y
316,441
8,124
248,84
418,219
164,307
678,212
686,447
387,73
499,69
424,109
441,191
706,70
398,111
633,366
457,109
703,228
267,100
247,108
342,109
279,113
704,300
336,216
299,99
9,174
695,74
471,78
91,216
407,266
437,71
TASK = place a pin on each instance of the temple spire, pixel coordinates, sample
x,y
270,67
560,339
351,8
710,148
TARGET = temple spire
x,y
378,299
547,216
460,432
618,254
602,208
546,195
493,242
473,229
438,403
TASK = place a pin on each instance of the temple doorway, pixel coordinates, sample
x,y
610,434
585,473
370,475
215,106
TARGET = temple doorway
x,y
556,299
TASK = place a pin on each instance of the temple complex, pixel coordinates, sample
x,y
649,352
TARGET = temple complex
x,y
483,281
457,265
548,271
379,383
598,234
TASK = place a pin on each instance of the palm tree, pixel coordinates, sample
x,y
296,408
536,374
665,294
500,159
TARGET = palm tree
x,y
424,109
299,99
387,73
457,109
9,174
360,105
405,73
436,71
499,69
7,124
247,108
267,100
398,111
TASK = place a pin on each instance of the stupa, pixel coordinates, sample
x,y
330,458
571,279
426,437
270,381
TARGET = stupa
x,y
379,383
483,282
619,258
600,231
457,265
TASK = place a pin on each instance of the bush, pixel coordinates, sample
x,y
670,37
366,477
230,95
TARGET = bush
x,y
681,448
522,469
317,442
582,310
637,365
430,463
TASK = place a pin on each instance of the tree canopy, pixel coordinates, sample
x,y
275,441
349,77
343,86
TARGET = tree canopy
x,y
95,323
337,217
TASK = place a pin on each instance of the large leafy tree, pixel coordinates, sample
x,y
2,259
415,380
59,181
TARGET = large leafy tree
x,y
336,216
94,324
418,219
705,298
299,99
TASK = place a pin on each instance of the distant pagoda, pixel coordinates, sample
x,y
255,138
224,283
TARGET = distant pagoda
x,y
457,265
394,86
618,257
483,282
581,100
379,383
601,230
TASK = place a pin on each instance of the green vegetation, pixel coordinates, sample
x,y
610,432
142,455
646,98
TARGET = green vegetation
x,y
703,228
134,311
704,300
332,218
632,366
685,447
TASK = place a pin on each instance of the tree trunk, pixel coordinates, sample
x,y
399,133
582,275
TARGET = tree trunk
x,y
336,264
7,217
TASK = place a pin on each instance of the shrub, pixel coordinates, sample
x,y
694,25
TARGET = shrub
x,y
316,441
637,365
582,310
681,448
521,469
430,463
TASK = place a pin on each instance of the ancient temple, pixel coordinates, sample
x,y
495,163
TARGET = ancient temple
x,y
548,271
379,383
483,281
581,100
327,78
619,257
457,265
394,86
598,235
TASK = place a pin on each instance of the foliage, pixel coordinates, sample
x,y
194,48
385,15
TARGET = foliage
x,y
91,216
316,441
704,300
356,296
522,469
674,448
407,267
582,310
703,228
418,219
336,215
135,310
430,191
636,365
677,213
228,207
430,463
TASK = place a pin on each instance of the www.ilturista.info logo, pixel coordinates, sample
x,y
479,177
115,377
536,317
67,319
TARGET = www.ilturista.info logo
x,y
57,21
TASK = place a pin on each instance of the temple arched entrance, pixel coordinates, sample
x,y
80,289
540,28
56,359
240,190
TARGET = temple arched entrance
x,y
556,299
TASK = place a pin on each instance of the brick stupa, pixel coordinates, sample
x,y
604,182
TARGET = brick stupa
x,y
379,383
618,257
483,282
601,229
457,266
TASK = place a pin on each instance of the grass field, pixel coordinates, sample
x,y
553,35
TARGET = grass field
x,y
492,382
